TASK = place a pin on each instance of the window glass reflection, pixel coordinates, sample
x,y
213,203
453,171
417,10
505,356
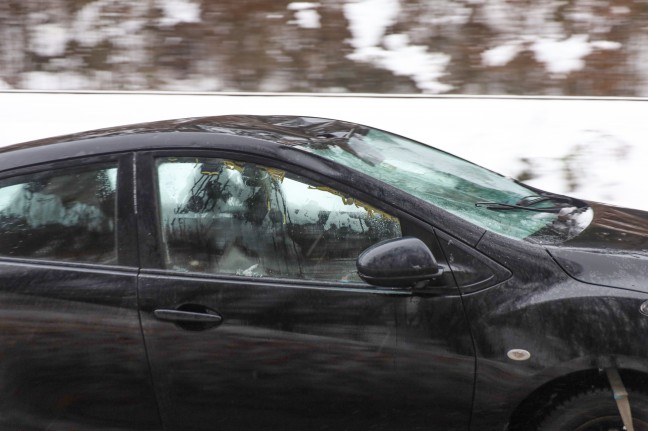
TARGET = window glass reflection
x,y
68,215
443,180
227,217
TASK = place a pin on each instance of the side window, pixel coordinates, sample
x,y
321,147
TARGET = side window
x,y
221,216
66,215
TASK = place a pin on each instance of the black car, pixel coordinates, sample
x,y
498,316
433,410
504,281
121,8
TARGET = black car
x,y
294,273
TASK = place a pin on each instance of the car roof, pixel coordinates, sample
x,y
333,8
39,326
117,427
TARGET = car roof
x,y
263,134
282,129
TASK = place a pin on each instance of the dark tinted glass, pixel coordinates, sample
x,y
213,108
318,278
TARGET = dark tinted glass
x,y
66,215
221,216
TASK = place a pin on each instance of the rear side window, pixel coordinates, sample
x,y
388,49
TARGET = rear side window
x,y
66,215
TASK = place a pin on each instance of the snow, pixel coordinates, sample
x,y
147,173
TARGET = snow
x,y
562,56
501,55
369,21
421,41
559,56
600,142
306,16
54,81
534,27
198,83
49,40
307,19
424,67
620,10
605,44
302,5
94,24
566,56
178,11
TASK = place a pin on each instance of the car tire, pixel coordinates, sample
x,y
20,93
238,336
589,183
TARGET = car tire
x,y
595,410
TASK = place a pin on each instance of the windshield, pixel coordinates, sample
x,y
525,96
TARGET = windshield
x,y
447,182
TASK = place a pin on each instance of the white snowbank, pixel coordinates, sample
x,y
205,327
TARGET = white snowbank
x,y
600,142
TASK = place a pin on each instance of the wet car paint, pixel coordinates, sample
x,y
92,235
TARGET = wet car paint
x,y
567,326
293,357
318,355
72,351
612,251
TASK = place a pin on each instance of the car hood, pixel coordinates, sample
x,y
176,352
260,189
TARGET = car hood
x,y
611,251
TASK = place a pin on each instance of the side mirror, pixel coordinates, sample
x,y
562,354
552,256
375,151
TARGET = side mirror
x,y
401,262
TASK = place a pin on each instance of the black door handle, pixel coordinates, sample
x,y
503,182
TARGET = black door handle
x,y
186,316
190,316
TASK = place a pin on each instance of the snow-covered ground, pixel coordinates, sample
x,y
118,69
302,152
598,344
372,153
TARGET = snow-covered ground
x,y
592,149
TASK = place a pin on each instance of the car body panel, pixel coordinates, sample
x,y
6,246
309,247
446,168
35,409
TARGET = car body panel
x,y
291,357
295,353
624,270
566,325
612,251
72,350
300,354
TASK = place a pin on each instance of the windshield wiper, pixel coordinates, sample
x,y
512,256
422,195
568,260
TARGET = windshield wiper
x,y
526,202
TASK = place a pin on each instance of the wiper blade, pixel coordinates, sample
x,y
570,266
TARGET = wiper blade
x,y
535,199
526,202
496,206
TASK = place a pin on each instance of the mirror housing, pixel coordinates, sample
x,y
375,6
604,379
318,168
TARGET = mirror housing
x,y
401,262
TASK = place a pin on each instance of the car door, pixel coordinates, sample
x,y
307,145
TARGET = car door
x,y
254,316
72,354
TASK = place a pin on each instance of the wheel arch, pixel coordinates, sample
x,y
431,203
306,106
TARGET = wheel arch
x,y
542,400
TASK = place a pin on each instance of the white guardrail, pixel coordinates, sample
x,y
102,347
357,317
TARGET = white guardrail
x,y
592,148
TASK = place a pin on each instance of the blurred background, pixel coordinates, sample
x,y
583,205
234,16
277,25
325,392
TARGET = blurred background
x,y
416,67
522,47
